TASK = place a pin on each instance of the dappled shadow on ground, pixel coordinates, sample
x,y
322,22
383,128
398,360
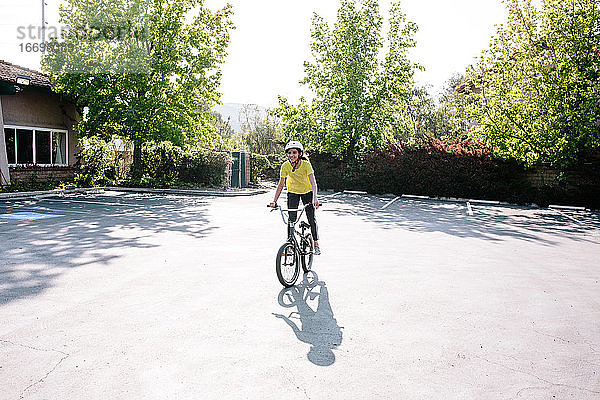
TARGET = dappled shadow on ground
x,y
317,327
495,223
82,231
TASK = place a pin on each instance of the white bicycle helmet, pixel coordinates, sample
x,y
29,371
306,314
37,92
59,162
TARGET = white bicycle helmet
x,y
294,145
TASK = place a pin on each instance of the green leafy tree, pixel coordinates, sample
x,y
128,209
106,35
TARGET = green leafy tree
x,y
300,122
535,90
223,128
420,111
448,117
362,84
141,69
261,131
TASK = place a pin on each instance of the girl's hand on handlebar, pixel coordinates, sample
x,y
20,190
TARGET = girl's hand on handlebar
x,y
272,205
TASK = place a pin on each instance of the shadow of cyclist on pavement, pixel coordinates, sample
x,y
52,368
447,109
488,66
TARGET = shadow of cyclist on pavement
x,y
318,328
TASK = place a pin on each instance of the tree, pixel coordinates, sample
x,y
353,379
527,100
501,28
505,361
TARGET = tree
x,y
362,84
261,131
448,118
536,88
420,111
223,128
143,69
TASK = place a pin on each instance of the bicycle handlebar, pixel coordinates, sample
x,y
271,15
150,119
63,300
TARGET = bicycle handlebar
x,y
277,206
290,209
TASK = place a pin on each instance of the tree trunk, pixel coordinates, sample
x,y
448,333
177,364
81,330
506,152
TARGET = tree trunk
x,y
350,153
136,166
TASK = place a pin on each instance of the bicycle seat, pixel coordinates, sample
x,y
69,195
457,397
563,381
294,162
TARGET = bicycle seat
x,y
304,225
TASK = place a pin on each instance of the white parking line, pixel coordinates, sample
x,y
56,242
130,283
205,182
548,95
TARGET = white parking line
x,y
43,196
484,201
566,207
389,203
52,210
568,216
96,202
354,192
28,216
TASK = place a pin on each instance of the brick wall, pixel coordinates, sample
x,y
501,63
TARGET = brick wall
x,y
41,174
248,161
540,176
587,175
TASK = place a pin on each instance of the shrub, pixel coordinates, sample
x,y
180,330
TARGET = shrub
x,y
259,164
96,162
265,167
161,163
457,167
449,168
205,167
32,184
332,173
164,164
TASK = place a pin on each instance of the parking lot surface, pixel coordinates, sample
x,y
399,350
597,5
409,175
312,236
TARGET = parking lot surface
x,y
114,295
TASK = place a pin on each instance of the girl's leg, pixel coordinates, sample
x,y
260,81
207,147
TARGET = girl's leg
x,y
293,200
310,215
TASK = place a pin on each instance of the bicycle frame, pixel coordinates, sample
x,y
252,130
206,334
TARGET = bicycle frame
x,y
296,250
292,225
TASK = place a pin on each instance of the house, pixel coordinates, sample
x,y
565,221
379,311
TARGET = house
x,y
36,125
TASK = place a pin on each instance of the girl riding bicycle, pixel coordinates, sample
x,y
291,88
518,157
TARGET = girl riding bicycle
x,y
301,185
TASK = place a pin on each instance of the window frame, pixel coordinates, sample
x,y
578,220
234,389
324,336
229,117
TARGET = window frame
x,y
34,129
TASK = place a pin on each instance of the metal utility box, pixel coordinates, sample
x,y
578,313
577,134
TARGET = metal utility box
x,y
240,169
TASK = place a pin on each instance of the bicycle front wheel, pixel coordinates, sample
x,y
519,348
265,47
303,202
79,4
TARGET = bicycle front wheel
x,y
286,265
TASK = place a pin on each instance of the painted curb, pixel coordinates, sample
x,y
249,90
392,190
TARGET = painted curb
x,y
46,193
190,192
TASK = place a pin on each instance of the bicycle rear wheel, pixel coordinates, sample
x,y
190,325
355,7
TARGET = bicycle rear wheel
x,y
286,265
308,246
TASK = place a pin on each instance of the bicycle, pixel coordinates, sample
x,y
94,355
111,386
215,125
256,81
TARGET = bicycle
x,y
293,252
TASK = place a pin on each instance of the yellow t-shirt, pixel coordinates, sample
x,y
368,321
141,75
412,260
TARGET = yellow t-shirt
x,y
297,181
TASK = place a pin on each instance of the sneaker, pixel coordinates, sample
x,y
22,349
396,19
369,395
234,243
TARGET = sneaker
x,y
317,251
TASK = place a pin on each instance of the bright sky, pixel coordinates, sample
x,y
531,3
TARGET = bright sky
x,y
272,40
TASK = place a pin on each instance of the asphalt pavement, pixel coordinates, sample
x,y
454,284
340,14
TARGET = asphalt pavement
x,y
125,295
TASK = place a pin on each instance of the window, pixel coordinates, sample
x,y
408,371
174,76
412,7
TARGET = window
x,y
59,148
9,137
24,146
42,147
35,146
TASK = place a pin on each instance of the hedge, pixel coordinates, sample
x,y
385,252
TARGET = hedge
x,y
163,164
460,167
265,167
